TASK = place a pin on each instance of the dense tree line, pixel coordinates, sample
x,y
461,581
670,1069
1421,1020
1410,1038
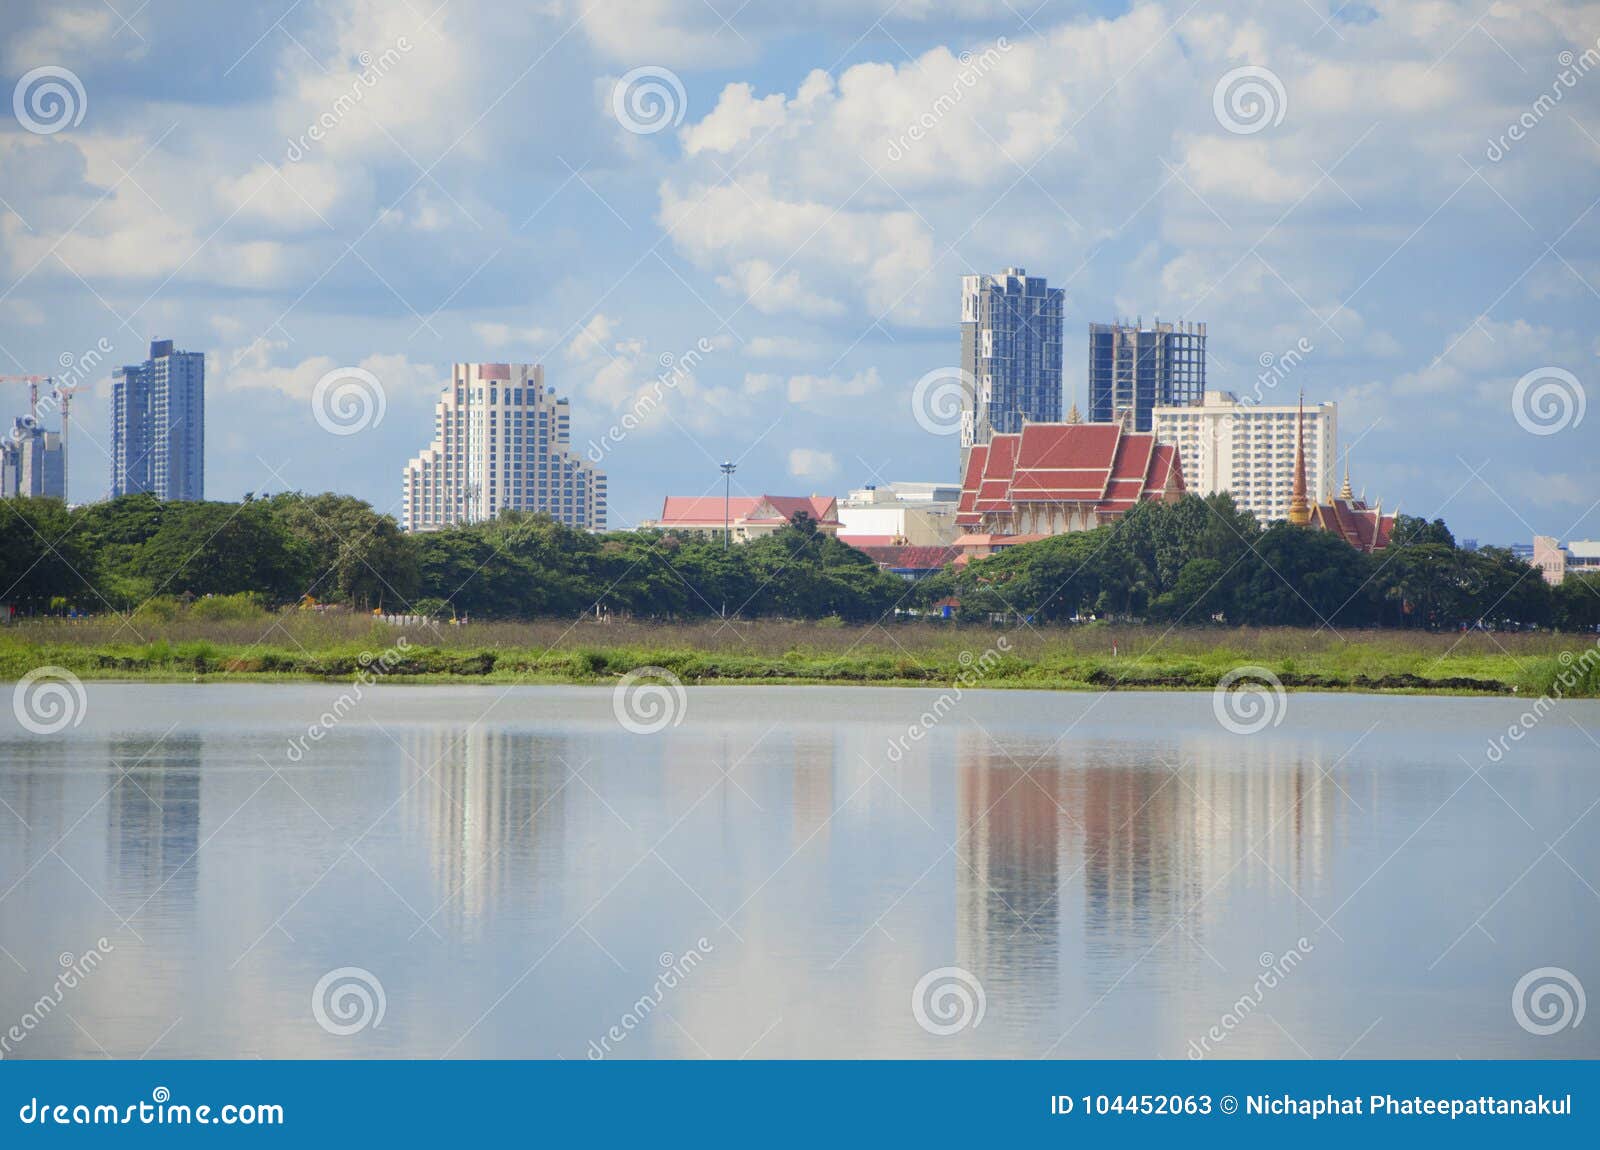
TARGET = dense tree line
x,y
122,553
1203,559
1193,561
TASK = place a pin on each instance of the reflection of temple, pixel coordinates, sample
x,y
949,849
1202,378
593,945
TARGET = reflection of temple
x,y
153,822
492,802
1115,829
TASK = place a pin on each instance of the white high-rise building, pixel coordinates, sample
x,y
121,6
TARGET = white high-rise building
x,y
501,440
1247,449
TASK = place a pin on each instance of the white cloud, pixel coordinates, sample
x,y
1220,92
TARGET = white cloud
x,y
808,463
778,347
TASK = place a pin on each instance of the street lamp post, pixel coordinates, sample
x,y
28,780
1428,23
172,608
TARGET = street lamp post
x,y
727,495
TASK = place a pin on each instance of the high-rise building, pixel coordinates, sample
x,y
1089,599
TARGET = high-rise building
x,y
1248,450
31,462
1011,352
158,425
501,441
1134,369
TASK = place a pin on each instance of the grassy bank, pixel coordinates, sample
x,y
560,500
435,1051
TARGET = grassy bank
x,y
297,646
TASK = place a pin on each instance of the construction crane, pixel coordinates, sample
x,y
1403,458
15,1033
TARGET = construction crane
x,y
33,382
64,395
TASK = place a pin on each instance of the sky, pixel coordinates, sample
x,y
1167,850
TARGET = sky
x,y
784,196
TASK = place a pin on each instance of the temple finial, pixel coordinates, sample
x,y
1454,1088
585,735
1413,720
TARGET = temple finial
x,y
1299,508
1345,492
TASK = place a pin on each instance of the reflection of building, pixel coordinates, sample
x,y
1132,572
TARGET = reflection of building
x,y
813,797
899,515
158,425
749,516
1135,369
1248,450
153,821
492,803
1055,478
501,441
1010,353
31,462
1008,867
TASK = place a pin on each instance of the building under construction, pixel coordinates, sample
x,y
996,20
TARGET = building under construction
x,y
1134,369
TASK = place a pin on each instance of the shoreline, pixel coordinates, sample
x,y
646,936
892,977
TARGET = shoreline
x,y
1078,660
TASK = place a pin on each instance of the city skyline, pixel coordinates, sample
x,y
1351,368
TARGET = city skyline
x,y
793,221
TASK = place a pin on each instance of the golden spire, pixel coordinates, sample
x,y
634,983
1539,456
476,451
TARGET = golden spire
x,y
1345,492
1299,509
1072,413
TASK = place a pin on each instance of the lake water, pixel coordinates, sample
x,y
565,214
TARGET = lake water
x,y
514,873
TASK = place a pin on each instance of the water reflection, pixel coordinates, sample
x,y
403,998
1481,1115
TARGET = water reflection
x,y
1112,890
487,805
152,819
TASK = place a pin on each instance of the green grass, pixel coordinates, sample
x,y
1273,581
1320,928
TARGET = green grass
x,y
298,645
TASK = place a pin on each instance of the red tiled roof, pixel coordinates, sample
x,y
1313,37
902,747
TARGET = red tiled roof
x,y
908,558
1357,524
967,508
1095,463
684,510
994,491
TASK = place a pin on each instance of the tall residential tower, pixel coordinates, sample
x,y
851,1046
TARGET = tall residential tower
x,y
158,425
1134,369
1010,352
501,441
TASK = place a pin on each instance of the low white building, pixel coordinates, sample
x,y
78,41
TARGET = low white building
x,y
1248,449
901,514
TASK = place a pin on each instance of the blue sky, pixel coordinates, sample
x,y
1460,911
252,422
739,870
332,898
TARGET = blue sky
x,y
485,201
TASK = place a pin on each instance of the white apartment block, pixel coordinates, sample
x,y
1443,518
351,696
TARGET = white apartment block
x,y
1248,449
501,441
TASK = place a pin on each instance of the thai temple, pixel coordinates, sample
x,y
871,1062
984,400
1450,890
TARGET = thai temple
x,y
1364,528
1054,478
